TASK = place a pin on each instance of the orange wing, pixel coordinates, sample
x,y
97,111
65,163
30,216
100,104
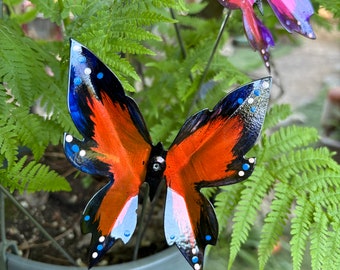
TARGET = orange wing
x,y
116,144
209,151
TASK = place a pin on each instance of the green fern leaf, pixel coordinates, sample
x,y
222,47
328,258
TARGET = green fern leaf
x,y
288,138
8,141
209,192
225,203
32,176
300,230
319,239
332,260
296,162
322,180
251,198
276,114
275,221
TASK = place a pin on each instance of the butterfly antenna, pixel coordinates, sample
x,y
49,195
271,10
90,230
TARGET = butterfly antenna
x,y
143,226
213,51
180,40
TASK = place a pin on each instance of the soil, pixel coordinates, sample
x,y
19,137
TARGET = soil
x,y
60,212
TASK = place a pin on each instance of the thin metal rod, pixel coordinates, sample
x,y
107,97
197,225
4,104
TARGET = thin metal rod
x,y
152,207
178,35
2,217
140,222
36,223
213,51
180,40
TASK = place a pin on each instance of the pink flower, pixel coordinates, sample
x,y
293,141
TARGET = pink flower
x,y
294,16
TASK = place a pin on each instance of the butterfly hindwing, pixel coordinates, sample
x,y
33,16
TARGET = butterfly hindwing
x,y
94,221
209,151
116,144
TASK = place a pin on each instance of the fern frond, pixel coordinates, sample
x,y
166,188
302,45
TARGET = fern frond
x,y
275,221
209,191
323,180
225,203
288,138
32,176
276,113
332,260
56,11
256,187
319,239
299,161
300,226
8,141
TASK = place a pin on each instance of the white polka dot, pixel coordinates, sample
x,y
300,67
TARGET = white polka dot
x,y
194,251
265,84
197,266
94,255
101,239
267,64
76,48
250,100
69,138
251,160
263,51
87,71
82,153
241,173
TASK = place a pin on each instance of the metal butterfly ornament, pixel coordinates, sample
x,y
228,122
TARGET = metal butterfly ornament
x,y
294,16
208,151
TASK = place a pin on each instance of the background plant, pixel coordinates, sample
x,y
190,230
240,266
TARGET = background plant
x,y
141,43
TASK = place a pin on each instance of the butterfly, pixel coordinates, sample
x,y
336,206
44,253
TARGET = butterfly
x,y
294,15
208,151
258,35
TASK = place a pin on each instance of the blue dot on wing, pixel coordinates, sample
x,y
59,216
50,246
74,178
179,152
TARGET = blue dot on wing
x,y
100,75
100,247
257,92
75,148
87,218
77,81
208,237
126,233
245,166
82,59
194,259
253,109
240,100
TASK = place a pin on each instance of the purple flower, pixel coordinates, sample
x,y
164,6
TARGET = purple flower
x,y
294,16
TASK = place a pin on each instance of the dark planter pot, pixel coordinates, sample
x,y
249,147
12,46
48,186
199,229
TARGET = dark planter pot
x,y
168,259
